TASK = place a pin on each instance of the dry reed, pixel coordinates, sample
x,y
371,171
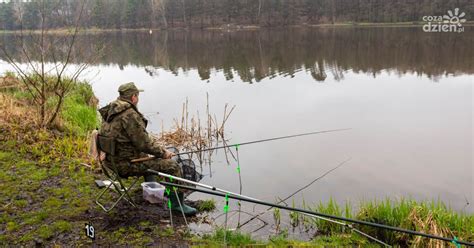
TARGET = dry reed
x,y
189,133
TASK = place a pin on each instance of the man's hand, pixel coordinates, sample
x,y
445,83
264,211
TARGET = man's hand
x,y
168,155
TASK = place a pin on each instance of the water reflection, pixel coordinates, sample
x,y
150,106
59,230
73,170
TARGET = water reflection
x,y
255,55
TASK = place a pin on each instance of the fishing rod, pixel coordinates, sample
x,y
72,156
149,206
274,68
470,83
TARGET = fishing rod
x,y
250,198
360,222
198,184
245,143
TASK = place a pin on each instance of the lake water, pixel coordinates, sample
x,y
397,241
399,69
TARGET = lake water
x,y
406,94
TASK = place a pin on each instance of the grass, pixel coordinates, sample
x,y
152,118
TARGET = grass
x,y
31,211
232,238
431,217
277,218
206,205
78,114
238,239
332,208
79,117
43,185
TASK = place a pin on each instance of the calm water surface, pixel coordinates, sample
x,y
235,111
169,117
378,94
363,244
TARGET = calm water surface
x,y
406,94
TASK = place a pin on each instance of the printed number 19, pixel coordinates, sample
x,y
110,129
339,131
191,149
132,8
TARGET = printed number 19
x,y
90,231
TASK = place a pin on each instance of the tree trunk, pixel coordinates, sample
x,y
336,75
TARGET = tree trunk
x,y
184,14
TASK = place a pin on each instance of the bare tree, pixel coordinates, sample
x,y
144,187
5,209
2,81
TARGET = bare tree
x,y
45,64
159,7
184,13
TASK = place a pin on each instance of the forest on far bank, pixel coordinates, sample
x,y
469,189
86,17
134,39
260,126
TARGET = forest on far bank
x,y
117,14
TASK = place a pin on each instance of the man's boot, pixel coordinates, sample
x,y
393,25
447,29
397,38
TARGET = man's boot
x,y
187,210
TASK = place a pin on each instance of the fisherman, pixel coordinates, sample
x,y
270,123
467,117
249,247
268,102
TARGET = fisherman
x,y
123,122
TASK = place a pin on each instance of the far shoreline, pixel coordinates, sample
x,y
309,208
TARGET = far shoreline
x,y
226,27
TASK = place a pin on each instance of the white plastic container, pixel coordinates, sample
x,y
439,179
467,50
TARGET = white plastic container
x,y
154,192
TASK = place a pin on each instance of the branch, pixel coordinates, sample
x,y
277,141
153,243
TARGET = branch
x,y
25,78
76,30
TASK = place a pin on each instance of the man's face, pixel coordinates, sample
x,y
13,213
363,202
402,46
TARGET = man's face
x,y
135,99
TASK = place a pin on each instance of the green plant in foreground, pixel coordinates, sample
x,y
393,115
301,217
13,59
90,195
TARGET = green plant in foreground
x,y
277,218
76,109
331,208
206,205
233,238
430,217
294,216
78,114
62,226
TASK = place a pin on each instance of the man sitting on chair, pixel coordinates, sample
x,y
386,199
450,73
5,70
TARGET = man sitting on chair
x,y
126,125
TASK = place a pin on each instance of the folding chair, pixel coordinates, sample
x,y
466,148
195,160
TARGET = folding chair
x,y
107,145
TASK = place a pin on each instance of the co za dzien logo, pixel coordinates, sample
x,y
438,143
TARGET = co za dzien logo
x,y
452,22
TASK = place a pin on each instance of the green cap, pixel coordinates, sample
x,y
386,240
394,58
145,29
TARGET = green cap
x,y
128,89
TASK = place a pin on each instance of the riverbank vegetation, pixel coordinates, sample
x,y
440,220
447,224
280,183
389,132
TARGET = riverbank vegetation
x,y
432,217
44,186
47,178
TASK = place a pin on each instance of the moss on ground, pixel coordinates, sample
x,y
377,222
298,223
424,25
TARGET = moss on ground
x,y
33,213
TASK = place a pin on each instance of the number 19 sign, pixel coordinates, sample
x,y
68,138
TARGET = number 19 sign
x,y
90,232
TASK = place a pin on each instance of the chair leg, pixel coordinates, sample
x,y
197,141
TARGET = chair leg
x,y
122,194
128,198
97,200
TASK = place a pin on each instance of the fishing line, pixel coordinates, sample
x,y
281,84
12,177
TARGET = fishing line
x,y
240,183
350,227
304,187
245,143
245,212
361,222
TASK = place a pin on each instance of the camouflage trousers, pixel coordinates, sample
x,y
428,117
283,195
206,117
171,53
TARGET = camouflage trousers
x,y
167,166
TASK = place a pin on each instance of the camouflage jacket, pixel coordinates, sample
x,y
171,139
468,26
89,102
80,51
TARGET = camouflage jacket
x,y
122,121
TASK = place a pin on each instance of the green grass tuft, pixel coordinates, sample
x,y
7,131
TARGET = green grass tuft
x,y
39,174
62,226
79,117
233,238
430,217
12,226
45,232
206,205
6,156
53,203
331,208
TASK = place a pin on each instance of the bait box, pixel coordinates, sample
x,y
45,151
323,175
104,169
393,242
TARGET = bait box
x,y
153,192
